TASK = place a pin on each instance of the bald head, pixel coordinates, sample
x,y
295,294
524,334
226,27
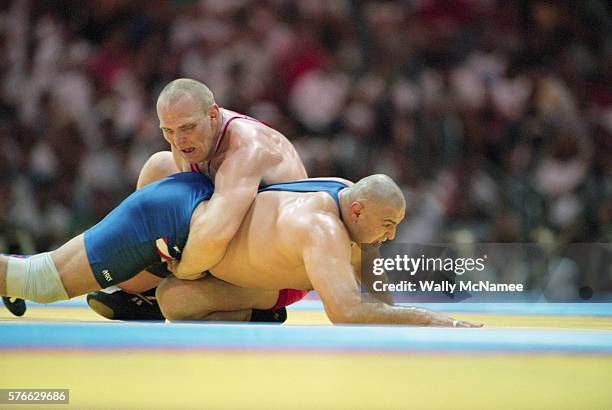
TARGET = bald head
x,y
189,119
372,209
379,190
181,87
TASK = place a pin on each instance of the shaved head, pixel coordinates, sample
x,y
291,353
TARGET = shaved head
x,y
373,207
189,119
379,190
181,87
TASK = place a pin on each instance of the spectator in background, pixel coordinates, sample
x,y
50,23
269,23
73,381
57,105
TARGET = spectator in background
x,y
481,109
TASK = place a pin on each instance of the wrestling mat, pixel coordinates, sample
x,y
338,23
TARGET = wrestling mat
x,y
554,356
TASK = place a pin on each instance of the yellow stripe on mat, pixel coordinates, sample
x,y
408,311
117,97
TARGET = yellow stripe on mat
x,y
219,380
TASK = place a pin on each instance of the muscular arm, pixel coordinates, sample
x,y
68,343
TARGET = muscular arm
x,y
357,256
327,260
236,184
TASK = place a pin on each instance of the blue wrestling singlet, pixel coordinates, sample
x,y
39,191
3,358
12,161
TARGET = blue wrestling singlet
x,y
151,225
148,228
329,186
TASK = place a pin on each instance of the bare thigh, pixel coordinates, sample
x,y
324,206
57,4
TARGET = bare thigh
x,y
140,283
77,277
193,299
73,266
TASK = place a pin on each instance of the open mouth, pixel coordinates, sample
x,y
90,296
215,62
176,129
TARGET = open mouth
x,y
188,150
379,242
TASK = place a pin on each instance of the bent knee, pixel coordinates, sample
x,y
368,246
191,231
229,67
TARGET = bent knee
x,y
158,166
177,313
175,304
140,283
161,159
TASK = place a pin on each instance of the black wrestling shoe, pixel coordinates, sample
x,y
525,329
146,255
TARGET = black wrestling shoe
x,y
14,305
120,305
271,316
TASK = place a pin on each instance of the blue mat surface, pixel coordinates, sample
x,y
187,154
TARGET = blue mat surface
x,y
43,335
552,309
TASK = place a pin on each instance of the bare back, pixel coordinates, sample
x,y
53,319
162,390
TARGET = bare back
x,y
283,163
267,250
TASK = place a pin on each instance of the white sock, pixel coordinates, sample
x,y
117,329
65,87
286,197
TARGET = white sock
x,y
34,278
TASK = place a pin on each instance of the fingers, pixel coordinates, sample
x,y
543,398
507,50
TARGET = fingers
x,y
465,323
171,265
462,323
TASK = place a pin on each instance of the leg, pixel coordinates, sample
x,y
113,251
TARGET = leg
x,y
14,305
210,297
140,283
232,316
73,266
158,166
48,277
135,300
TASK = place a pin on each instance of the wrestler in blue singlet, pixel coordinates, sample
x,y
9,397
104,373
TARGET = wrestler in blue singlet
x,y
128,239
151,225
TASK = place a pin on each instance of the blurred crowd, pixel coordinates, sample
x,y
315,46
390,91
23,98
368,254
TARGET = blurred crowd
x,y
494,116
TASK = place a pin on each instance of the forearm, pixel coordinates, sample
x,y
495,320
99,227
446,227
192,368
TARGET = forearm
x,y
191,268
206,247
384,297
373,297
363,259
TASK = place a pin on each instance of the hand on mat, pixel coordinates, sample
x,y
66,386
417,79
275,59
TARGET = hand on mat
x,y
465,323
447,321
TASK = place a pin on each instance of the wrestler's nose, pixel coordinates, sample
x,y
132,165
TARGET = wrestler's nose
x,y
391,234
179,138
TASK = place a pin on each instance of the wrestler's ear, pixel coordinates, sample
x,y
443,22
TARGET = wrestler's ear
x,y
356,209
213,111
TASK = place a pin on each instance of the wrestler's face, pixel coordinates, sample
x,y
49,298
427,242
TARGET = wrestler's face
x,y
374,224
188,127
